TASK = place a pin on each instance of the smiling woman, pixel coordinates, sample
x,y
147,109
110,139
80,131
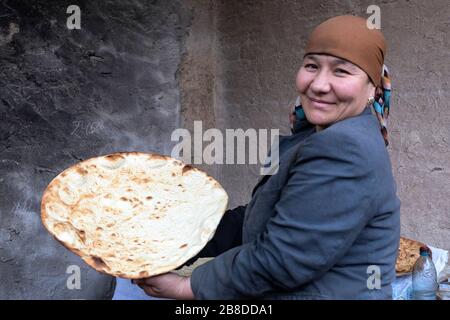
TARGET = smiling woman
x,y
327,224
341,74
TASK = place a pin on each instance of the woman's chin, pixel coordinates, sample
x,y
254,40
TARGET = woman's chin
x,y
318,119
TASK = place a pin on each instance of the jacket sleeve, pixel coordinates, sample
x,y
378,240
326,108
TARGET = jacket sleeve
x,y
322,209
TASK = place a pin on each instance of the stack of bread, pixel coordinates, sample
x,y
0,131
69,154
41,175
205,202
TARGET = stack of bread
x,y
408,252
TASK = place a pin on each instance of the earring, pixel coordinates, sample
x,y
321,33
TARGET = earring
x,y
370,101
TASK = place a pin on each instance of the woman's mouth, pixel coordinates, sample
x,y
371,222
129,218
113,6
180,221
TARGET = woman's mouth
x,y
320,104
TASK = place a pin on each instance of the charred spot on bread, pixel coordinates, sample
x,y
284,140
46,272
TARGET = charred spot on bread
x,y
98,263
82,235
81,171
187,168
114,157
157,156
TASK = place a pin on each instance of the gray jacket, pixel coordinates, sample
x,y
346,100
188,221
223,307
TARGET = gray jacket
x,y
324,227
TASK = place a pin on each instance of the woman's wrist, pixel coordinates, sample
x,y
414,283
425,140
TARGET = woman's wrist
x,y
187,289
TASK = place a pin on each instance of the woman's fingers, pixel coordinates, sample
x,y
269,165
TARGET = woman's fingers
x,y
151,291
156,286
168,285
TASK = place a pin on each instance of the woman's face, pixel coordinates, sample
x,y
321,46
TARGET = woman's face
x,y
332,89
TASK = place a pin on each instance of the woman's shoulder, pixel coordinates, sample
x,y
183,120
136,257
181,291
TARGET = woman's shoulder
x,y
356,140
362,132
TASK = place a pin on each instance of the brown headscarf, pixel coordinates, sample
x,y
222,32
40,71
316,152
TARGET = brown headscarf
x,y
349,38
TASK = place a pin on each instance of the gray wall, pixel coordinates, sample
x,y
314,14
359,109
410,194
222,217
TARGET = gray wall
x,y
139,69
254,55
67,95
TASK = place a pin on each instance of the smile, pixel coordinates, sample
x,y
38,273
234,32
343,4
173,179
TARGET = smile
x,y
320,104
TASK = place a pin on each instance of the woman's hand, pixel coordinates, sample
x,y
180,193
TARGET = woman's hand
x,y
167,285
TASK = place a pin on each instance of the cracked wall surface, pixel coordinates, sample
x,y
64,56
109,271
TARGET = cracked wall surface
x,y
67,95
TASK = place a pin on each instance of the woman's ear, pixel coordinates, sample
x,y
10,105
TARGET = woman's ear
x,y
372,89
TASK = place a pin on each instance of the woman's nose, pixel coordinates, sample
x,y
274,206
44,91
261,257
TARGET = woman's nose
x,y
320,83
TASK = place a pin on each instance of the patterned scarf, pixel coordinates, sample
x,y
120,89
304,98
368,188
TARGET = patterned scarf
x,y
381,104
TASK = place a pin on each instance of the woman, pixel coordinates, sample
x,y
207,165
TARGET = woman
x,y
327,225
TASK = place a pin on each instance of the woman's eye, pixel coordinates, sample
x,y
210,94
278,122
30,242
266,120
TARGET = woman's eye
x,y
310,66
340,71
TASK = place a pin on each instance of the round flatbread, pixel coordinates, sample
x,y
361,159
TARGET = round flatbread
x,y
133,215
408,253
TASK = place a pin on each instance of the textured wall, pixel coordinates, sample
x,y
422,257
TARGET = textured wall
x,y
67,95
257,51
139,69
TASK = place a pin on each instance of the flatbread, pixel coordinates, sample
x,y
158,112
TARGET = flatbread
x,y
133,215
408,253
